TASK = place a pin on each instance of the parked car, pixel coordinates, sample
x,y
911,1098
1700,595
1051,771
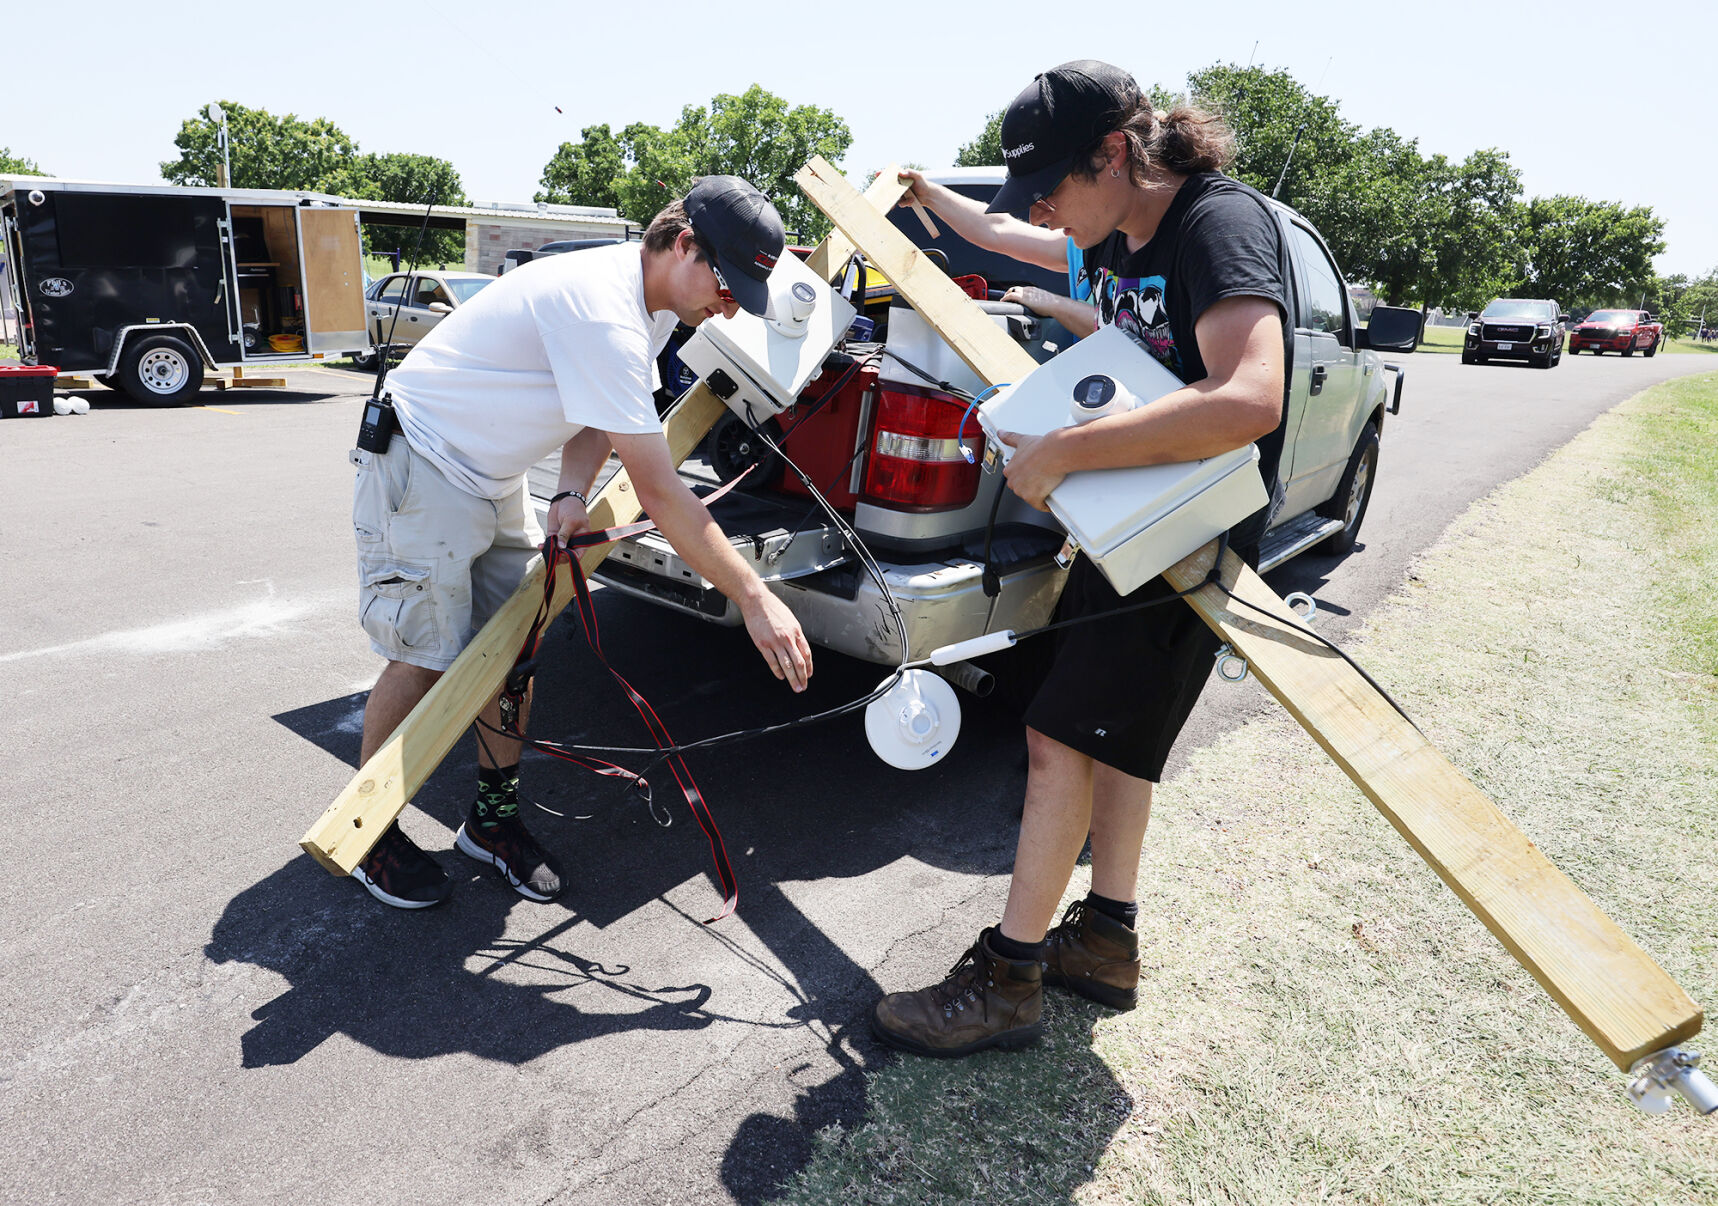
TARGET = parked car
x,y
1516,329
402,307
877,448
1624,331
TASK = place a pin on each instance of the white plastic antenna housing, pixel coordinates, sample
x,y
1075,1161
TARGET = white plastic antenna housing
x,y
915,724
765,363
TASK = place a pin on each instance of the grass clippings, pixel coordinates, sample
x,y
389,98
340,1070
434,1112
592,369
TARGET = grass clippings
x,y
1321,1018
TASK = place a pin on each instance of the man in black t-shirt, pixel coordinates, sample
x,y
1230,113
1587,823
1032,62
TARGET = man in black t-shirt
x,y
1193,264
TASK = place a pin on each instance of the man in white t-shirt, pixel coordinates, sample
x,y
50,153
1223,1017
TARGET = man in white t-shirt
x,y
559,353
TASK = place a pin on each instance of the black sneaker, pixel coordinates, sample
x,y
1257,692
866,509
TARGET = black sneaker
x,y
511,850
397,873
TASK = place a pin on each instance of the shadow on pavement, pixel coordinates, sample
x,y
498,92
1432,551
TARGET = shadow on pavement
x,y
811,804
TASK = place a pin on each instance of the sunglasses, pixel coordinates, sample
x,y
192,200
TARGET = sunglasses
x,y
722,291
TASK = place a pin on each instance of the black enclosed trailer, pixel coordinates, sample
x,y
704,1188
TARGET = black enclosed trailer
x,y
145,286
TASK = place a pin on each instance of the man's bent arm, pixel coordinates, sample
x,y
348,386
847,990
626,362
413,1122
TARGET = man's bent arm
x,y
683,519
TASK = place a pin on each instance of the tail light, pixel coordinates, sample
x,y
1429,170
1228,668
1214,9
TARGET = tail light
x,y
916,462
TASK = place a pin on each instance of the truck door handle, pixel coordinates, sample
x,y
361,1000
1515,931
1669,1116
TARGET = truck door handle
x,y
1317,386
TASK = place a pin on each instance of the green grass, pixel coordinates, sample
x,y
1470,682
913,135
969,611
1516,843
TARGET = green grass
x,y
1320,1017
1442,339
1684,344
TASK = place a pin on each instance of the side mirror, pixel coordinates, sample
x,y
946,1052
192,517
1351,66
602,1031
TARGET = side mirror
x,y
440,308
1472,315
1393,329
1564,319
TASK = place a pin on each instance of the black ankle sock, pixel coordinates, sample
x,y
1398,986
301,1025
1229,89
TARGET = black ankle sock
x,y
1126,912
1018,952
497,795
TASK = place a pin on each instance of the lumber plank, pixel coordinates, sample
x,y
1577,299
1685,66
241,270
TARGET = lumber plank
x,y
1609,986
341,837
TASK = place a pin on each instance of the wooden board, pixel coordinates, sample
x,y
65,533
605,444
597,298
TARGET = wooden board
x,y
346,830
238,382
65,381
333,272
1612,989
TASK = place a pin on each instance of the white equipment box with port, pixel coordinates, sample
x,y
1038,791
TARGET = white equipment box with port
x,y
1133,523
758,366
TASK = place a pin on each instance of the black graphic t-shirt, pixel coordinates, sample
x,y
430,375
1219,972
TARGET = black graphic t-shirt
x,y
1216,241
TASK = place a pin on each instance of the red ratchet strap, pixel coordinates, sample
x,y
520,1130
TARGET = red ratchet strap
x,y
554,553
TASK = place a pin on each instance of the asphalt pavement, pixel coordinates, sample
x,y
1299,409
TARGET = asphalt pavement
x,y
195,1012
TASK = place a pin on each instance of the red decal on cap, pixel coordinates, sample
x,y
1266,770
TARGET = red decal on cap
x,y
764,260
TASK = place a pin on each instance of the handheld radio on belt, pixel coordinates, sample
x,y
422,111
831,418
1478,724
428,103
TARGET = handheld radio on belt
x,y
380,422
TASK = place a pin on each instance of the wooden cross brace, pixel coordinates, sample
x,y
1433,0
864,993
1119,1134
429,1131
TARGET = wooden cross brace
x,y
1611,988
346,830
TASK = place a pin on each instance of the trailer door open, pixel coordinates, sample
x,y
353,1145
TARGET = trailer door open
x,y
333,280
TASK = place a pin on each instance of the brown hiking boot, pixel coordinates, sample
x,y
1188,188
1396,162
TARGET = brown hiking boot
x,y
987,1001
1094,955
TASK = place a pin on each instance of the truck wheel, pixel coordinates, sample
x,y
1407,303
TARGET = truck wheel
x,y
364,360
1629,351
160,370
1354,494
1652,351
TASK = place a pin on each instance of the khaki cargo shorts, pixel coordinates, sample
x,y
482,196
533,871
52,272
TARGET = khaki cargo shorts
x,y
434,562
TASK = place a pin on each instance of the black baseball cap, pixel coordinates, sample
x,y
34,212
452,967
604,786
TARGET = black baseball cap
x,y
1061,113
738,223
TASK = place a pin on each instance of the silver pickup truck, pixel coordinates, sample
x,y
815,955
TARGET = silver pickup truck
x,y
880,435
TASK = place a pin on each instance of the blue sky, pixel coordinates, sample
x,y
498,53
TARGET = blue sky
x,y
1591,98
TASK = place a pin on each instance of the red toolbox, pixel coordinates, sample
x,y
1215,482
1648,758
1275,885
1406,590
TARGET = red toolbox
x,y
26,391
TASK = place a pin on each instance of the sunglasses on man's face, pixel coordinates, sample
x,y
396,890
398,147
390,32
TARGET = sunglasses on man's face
x,y
722,291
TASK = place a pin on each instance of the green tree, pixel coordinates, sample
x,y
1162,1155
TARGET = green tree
x,y
586,172
755,135
1698,301
759,137
986,149
414,179
1428,232
265,151
17,165
1590,253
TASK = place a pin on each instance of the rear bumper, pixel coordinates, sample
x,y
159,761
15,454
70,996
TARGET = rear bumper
x,y
845,609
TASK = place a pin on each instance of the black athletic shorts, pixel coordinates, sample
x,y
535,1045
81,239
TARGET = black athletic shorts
x,y
1119,689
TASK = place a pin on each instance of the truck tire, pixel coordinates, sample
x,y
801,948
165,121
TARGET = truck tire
x,y
1629,351
160,370
1353,494
1653,350
365,360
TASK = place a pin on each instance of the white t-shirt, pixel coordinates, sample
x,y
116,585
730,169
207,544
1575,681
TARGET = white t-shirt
x,y
556,345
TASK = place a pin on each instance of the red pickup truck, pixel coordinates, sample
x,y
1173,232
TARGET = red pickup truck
x,y
1625,331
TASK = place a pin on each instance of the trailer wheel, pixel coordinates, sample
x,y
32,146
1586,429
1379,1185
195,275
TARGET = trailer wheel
x,y
160,370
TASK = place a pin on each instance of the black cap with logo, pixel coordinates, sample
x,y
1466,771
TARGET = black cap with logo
x,y
738,223
1061,113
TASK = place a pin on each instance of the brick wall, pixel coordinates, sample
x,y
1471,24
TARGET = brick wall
x,y
486,244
